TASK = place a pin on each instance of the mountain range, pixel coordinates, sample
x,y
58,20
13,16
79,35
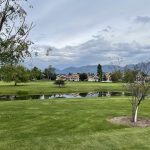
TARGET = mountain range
x,y
93,68
88,69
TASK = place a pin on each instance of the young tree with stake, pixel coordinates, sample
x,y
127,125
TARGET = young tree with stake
x,y
139,88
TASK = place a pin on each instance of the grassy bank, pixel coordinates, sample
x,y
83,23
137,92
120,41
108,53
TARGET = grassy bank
x,y
70,125
44,87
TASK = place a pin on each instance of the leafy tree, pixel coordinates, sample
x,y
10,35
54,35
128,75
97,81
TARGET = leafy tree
x,y
20,75
17,74
99,72
129,76
7,72
116,76
60,83
53,76
83,77
50,73
14,32
35,73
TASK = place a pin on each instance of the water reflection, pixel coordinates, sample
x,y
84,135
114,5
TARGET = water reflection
x,y
83,94
66,95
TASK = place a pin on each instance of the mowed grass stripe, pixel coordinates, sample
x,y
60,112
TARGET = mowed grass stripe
x,y
46,87
70,124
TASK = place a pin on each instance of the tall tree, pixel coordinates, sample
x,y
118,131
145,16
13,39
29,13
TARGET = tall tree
x,y
50,73
35,73
14,32
116,76
99,72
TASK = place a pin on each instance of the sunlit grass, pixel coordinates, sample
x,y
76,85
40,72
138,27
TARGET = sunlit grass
x,y
75,124
42,87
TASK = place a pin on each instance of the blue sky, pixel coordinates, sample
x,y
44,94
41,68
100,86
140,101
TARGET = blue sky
x,y
87,32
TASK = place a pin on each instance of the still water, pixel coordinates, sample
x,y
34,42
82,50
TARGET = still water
x,y
64,95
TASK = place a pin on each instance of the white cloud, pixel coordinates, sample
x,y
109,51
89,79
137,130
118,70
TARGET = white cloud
x,y
96,31
94,51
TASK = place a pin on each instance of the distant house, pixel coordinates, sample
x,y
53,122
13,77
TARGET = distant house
x,y
142,78
93,78
73,77
147,79
61,77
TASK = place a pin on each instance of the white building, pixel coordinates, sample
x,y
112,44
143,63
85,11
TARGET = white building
x,y
73,77
93,78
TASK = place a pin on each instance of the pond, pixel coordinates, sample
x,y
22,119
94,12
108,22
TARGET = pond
x,y
64,95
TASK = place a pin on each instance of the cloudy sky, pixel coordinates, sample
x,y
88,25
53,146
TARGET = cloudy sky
x,y
87,32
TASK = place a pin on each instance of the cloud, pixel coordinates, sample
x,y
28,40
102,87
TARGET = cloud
x,y
94,51
142,19
96,31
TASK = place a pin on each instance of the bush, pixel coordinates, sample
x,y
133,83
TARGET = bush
x,y
60,83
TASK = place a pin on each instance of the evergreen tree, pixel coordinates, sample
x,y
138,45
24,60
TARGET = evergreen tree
x,y
99,72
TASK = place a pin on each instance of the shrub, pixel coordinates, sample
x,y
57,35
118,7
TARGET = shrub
x,y
60,83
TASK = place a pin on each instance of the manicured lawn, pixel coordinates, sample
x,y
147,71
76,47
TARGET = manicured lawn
x,y
43,87
75,124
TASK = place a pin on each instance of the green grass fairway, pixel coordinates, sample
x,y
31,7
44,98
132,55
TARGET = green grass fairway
x,y
75,124
43,87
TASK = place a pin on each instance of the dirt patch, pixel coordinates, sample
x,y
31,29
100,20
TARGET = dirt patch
x,y
127,121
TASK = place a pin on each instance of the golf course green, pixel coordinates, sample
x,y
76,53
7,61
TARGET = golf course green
x,y
46,87
69,124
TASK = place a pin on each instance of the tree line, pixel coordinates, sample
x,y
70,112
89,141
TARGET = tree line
x,y
19,73
126,76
